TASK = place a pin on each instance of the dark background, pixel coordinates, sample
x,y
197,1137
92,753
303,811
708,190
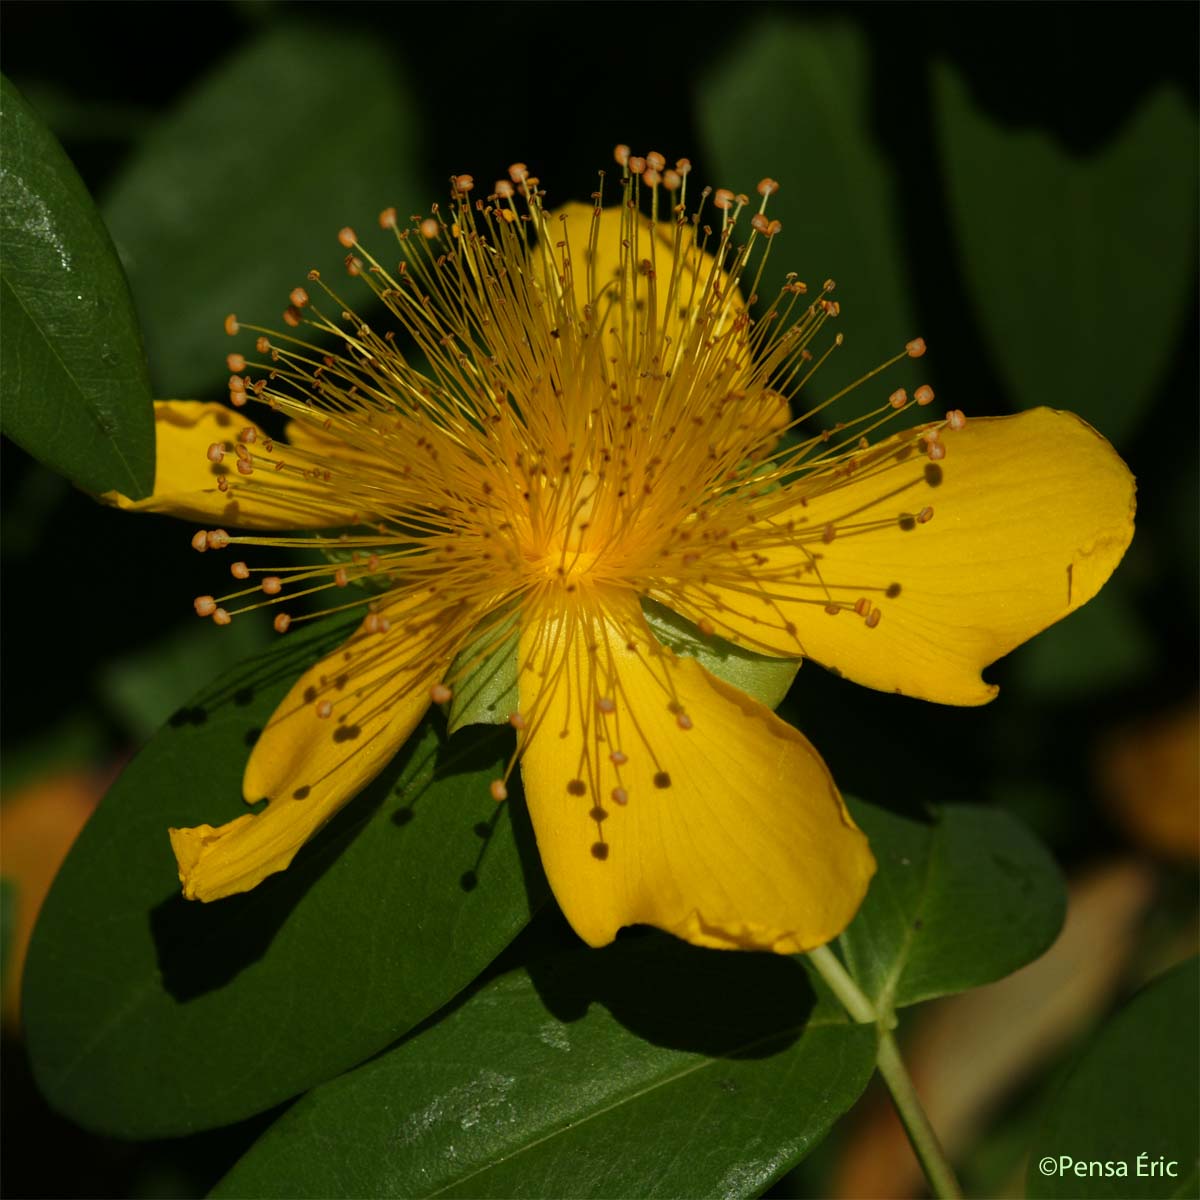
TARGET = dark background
x,y
97,639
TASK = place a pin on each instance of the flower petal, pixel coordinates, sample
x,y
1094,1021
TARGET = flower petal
x,y
663,796
308,766
185,481
1028,516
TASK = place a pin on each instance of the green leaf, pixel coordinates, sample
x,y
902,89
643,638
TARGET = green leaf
x,y
243,186
959,901
148,1016
487,693
1080,266
837,198
9,899
766,679
650,1068
76,392
1130,1101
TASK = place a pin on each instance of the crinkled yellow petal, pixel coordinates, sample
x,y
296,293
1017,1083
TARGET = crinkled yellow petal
x,y
728,832
309,766
185,481
1030,515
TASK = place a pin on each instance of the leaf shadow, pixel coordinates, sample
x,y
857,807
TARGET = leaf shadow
x,y
200,948
722,1004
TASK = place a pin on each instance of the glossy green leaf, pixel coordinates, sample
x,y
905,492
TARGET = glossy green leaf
x,y
650,1068
1132,1101
487,694
76,391
147,1015
243,186
766,679
1079,265
792,101
960,900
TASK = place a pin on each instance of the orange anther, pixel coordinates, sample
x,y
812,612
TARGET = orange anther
x,y
956,418
915,348
205,606
216,452
235,362
239,570
498,790
923,395
272,585
221,617
282,622
291,316
325,709
298,297
429,228
899,398
217,539
621,154
387,219
262,345
440,693
231,324
347,236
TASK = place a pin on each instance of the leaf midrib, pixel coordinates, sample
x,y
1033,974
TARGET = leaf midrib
x,y
629,1097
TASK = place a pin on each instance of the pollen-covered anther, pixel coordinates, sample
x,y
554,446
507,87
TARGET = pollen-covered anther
x,y
723,199
205,606
620,155
298,297
247,436
517,720
262,345
429,228
440,694
899,398
706,627
282,622
340,577
862,606
221,617
462,184
347,237
387,219
759,223
291,316
683,720
829,533
655,161
618,758
767,186
324,709
272,585
925,515
637,164
620,796
874,618
245,466
606,704
235,362
518,172
231,325
923,395
956,418
216,452
239,570
217,539
936,450
833,609
498,790
915,348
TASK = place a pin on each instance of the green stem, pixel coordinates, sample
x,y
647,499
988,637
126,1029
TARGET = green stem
x,y
891,1067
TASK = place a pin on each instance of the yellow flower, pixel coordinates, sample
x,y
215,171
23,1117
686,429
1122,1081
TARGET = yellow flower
x,y
597,419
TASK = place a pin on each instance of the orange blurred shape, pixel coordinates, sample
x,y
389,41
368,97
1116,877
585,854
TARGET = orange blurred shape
x,y
38,824
1150,776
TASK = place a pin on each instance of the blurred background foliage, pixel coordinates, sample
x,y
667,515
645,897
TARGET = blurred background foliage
x,y
1016,184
